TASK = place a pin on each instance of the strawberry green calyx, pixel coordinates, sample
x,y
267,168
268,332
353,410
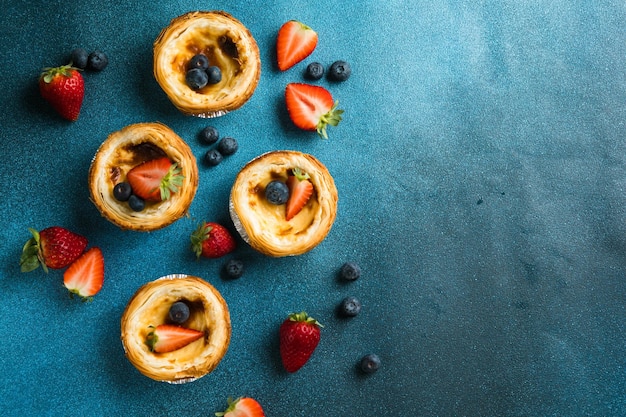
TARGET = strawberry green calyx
x,y
171,182
333,117
151,338
300,174
232,404
49,74
198,236
31,254
304,317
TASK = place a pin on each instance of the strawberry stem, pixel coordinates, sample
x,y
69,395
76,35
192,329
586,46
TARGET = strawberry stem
x,y
332,117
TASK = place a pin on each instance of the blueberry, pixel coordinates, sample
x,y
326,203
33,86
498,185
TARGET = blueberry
x,y
370,363
198,61
179,312
314,71
339,71
122,191
228,146
350,271
350,307
213,157
277,192
196,78
97,61
79,58
209,135
214,74
136,203
234,268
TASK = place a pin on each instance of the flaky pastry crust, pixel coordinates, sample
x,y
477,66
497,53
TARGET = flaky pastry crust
x,y
123,150
149,307
227,43
262,224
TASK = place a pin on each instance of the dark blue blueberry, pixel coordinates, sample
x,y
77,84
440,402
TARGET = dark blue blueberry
x,y
370,363
350,271
350,307
196,78
136,203
228,146
209,135
234,268
339,71
97,61
213,157
277,192
198,61
179,312
122,191
314,71
214,74
79,58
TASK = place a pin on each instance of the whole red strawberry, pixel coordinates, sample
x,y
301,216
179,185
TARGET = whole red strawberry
x,y
299,336
64,88
212,240
54,247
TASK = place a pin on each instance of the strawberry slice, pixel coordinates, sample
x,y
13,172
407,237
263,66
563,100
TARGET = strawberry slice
x,y
295,42
300,191
168,337
311,107
242,407
85,276
155,180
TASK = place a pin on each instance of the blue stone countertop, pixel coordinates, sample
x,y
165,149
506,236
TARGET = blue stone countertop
x,y
481,170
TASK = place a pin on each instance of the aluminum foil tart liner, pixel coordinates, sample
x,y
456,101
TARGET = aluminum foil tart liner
x,y
184,291
262,225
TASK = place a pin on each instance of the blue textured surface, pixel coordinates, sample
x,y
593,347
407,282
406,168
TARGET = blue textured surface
x,y
481,170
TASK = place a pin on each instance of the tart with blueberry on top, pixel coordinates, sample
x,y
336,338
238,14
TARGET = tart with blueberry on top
x,y
207,63
176,329
283,203
143,177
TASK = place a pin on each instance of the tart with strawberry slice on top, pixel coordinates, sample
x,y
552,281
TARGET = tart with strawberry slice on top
x,y
143,177
283,203
176,329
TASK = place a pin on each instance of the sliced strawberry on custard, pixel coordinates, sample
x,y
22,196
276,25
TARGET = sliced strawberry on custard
x,y
168,338
295,41
155,180
300,191
311,107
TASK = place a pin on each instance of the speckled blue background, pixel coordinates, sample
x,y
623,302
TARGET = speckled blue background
x,y
481,168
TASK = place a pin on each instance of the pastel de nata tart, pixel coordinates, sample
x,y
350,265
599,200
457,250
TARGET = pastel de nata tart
x,y
126,155
172,356
276,228
227,44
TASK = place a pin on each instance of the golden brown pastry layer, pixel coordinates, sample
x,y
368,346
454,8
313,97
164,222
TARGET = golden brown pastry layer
x,y
129,147
227,43
149,307
262,224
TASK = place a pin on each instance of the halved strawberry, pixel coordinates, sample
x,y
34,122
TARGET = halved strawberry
x,y
85,276
155,180
168,337
242,407
311,107
300,191
295,42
